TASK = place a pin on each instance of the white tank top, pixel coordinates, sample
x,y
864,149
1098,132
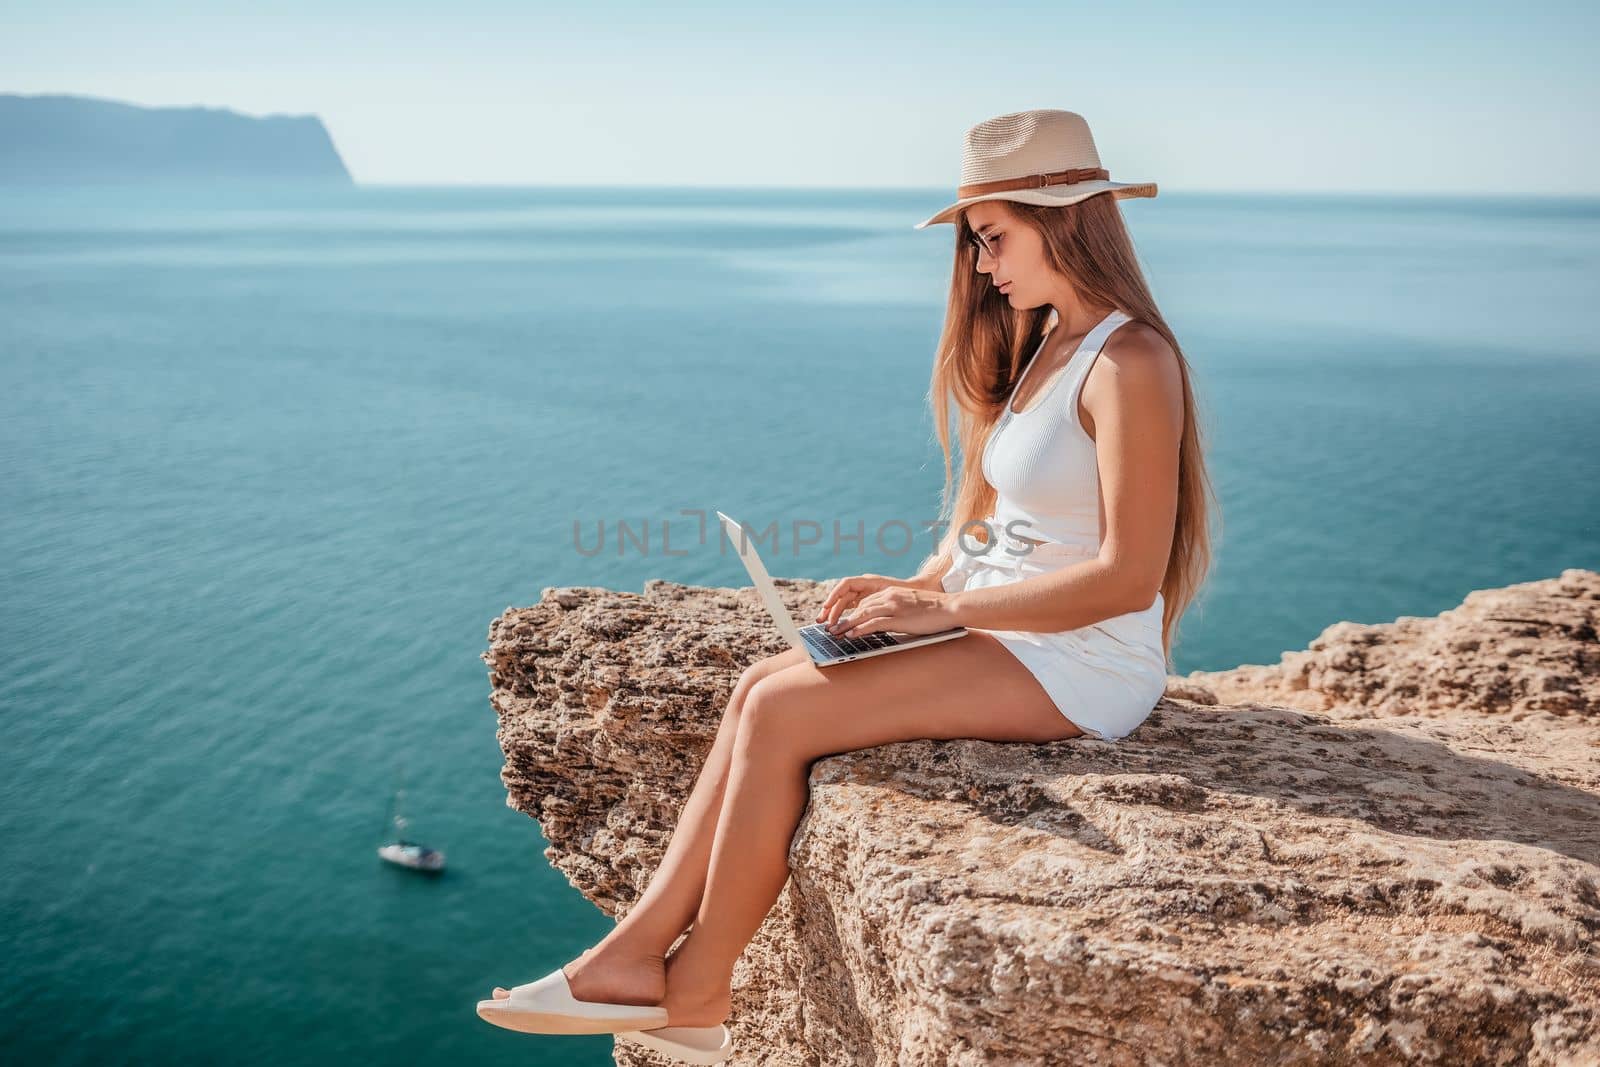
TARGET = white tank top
x,y
1042,462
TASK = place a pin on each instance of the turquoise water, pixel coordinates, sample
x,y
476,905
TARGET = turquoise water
x,y
273,461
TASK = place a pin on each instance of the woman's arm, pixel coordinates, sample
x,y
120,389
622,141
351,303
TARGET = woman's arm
x,y
1137,408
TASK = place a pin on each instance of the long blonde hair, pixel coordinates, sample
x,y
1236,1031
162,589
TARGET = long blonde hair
x,y
986,345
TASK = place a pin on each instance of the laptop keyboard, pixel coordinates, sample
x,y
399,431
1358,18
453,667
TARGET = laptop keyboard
x,y
818,639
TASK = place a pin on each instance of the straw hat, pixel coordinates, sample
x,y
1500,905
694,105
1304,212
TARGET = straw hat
x,y
1033,157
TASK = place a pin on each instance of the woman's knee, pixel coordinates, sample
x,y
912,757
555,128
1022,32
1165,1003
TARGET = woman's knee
x,y
770,711
761,668
741,693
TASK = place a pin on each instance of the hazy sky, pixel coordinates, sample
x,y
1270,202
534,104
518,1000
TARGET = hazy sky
x,y
1356,96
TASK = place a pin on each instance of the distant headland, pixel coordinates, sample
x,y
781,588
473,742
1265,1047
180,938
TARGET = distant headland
x,y
62,139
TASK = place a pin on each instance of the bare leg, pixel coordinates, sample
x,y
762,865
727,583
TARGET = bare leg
x,y
628,966
972,687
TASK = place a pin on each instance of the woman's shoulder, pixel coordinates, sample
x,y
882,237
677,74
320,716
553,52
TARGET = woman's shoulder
x,y
1140,361
1138,340
1138,351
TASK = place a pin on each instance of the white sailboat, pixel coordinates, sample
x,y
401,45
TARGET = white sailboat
x,y
405,853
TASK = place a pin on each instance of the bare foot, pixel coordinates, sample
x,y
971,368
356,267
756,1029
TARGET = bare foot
x,y
695,1007
613,976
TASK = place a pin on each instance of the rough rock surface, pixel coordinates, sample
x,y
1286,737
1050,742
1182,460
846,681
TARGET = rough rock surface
x,y
1385,849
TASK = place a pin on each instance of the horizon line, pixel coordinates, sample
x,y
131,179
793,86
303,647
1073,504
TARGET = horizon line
x,y
941,190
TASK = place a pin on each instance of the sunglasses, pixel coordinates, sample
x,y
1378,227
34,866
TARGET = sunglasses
x,y
982,244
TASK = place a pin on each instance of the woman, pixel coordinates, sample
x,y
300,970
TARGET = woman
x,y
1075,543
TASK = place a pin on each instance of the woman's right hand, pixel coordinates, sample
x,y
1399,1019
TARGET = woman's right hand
x,y
848,592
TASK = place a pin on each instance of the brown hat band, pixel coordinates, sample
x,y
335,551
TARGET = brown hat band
x,y
1035,181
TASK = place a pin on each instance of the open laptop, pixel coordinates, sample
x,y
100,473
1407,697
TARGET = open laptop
x,y
824,648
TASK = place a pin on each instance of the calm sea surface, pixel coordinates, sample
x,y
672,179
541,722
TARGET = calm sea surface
x,y
274,460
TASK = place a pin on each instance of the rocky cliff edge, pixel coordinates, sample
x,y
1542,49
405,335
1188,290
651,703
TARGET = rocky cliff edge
x,y
1383,849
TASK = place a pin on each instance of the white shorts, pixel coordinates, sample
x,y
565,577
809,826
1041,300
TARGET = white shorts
x,y
1105,678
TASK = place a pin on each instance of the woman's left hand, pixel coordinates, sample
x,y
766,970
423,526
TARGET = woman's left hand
x,y
903,609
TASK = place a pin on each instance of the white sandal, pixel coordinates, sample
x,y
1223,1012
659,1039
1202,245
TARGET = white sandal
x,y
687,1044
547,1006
